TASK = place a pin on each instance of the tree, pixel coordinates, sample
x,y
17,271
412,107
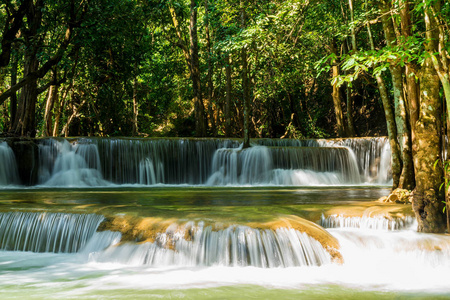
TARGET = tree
x,y
428,196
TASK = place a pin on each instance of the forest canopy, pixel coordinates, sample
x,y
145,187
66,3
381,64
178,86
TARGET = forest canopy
x,y
297,68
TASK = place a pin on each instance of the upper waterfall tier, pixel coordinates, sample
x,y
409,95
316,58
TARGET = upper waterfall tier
x,y
8,167
87,162
285,166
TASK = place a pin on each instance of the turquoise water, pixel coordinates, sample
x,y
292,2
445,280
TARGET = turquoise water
x,y
378,264
240,204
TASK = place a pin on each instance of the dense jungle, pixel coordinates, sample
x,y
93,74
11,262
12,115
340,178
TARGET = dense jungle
x,y
205,149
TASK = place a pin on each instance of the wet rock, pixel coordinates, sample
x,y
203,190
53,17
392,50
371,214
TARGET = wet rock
x,y
397,196
27,157
141,230
383,199
393,198
136,229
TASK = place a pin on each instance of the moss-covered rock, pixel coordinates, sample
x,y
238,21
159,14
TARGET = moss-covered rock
x,y
397,196
142,230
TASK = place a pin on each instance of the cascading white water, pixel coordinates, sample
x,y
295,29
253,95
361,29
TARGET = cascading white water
x,y
70,165
366,222
384,171
149,173
392,250
328,165
241,166
284,166
372,154
100,241
46,232
191,260
173,161
101,162
199,245
9,175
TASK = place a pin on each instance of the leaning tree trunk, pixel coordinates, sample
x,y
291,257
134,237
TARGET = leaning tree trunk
x,y
401,117
411,73
390,121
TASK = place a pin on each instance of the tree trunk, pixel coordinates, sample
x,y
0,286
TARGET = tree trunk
x,y
228,96
13,99
210,89
401,118
337,96
52,98
245,85
441,57
390,121
350,124
13,24
428,197
200,121
69,129
135,102
25,121
411,73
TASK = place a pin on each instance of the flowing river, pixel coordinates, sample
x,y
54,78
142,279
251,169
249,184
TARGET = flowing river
x,y
205,219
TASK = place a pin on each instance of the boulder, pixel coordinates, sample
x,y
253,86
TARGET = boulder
x,y
397,196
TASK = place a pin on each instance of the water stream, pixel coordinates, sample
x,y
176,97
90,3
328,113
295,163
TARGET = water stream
x,y
94,162
206,219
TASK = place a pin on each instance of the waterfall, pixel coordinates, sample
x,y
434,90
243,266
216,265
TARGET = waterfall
x,y
284,166
384,171
199,245
87,162
100,241
9,174
69,164
149,173
377,223
372,155
241,166
171,161
46,232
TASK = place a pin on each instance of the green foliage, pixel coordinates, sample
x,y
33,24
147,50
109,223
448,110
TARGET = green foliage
x,y
125,50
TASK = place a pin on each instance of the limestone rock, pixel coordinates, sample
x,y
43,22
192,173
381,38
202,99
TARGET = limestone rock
x,y
141,230
383,199
397,196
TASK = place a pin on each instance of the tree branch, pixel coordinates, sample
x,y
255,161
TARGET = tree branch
x,y
54,60
12,26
